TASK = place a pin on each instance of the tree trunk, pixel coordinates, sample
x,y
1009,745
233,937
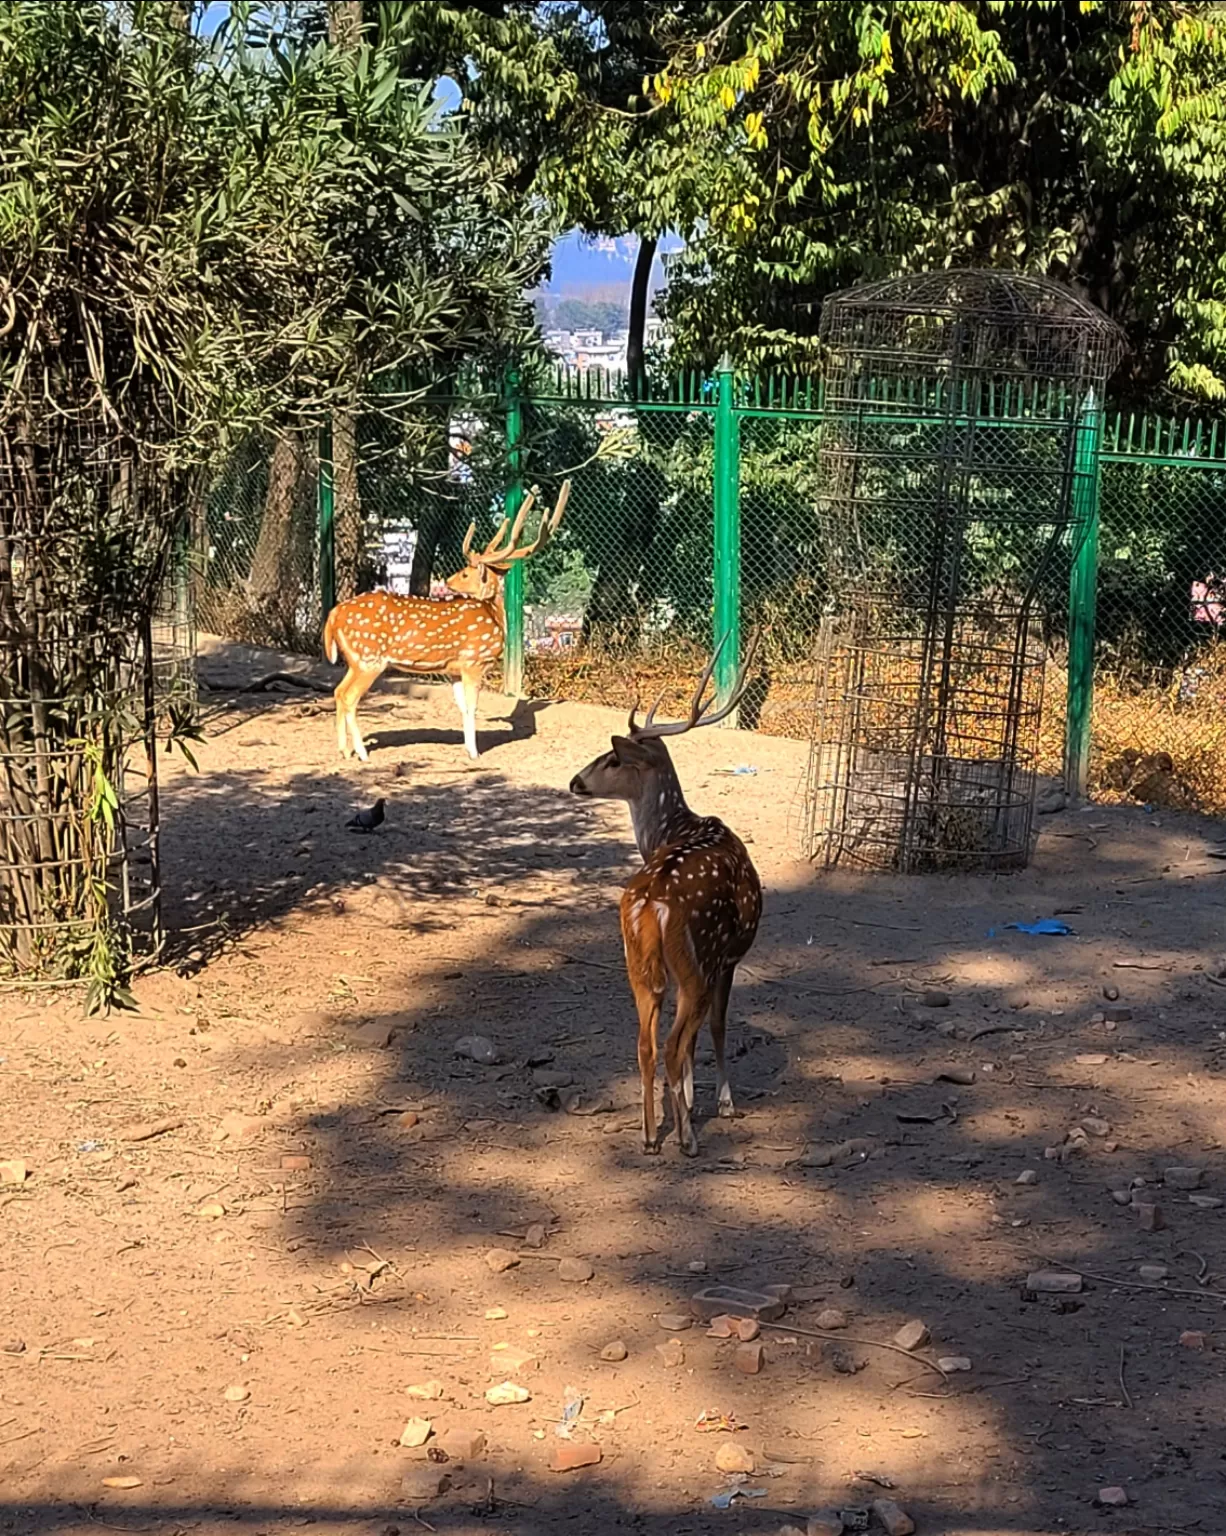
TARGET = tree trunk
x,y
347,504
638,313
273,583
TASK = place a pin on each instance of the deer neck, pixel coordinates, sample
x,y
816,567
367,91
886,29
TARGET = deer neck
x,y
660,814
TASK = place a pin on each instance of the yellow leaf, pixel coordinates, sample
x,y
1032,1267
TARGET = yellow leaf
x,y
727,98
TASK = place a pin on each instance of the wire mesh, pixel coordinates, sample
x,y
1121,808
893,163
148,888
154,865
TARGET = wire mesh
x,y
958,411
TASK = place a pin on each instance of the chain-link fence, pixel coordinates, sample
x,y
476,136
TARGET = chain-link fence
x,y
623,599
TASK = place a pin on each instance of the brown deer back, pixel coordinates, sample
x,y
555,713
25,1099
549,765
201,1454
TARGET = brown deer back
x,y
423,634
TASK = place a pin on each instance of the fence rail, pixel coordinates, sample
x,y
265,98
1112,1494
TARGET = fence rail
x,y
695,512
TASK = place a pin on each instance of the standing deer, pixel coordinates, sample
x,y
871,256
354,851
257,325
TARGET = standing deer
x,y
691,912
458,637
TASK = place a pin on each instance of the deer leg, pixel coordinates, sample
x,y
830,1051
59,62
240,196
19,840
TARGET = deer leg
x,y
692,1004
719,1020
341,694
467,691
363,679
648,1003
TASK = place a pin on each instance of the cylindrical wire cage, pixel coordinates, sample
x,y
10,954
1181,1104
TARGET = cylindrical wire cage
x,y
954,463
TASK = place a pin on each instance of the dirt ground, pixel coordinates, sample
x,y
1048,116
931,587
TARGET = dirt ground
x,y
228,1313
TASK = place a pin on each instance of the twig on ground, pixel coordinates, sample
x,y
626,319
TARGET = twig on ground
x,y
846,1338
1136,1285
1123,1387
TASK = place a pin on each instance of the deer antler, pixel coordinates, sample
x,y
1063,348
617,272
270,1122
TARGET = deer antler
x,y
500,555
698,714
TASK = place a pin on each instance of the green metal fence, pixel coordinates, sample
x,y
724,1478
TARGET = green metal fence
x,y
694,513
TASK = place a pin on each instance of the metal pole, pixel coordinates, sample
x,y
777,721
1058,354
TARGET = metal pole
x,y
327,516
1083,597
727,552
513,582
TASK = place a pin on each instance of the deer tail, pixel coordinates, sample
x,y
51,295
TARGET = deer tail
x,y
331,649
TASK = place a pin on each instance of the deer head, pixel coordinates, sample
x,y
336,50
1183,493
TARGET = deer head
x,y
486,567
631,770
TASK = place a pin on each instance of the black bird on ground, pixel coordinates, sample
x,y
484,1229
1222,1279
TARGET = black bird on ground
x,y
367,821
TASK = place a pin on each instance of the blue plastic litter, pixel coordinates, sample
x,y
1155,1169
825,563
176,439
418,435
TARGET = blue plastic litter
x,y
724,1500
1044,926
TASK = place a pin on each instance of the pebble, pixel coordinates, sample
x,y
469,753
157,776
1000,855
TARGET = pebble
x,y
831,1319
1093,1059
961,1077
1027,1176
237,1394
615,1352
747,1329
671,1353
912,1335
496,1314
211,1210
535,1236
1122,1196
748,1359
780,1291
1153,1273
713,1300
675,1322
732,1457
894,1518
477,1048
427,1391
13,1171
1183,1178
1113,1498
423,1482
1149,1215
1053,1282
569,1457
234,1127
697,1266
13,1347
373,1035
1117,1015
506,1393
934,999
463,1444
951,1364
575,1271
827,1522
1095,1127
512,1359
1205,1202
498,1260
1192,1338
722,1328
416,1432
1111,993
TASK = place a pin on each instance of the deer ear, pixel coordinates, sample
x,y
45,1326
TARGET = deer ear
x,y
627,750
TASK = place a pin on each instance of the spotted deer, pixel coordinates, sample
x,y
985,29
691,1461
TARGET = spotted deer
x,y
689,915
459,637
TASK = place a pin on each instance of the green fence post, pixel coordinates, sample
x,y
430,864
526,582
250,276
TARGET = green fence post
x,y
727,552
513,582
327,531
1083,598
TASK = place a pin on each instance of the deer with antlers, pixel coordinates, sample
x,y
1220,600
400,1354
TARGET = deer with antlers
x,y
692,911
459,637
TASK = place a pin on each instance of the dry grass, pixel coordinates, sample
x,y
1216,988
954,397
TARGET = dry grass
x,y
1148,719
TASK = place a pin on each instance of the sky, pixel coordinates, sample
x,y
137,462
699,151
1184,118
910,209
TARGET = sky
x,y
580,263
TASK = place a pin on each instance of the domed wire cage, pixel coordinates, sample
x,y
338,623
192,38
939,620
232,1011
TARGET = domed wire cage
x,y
958,458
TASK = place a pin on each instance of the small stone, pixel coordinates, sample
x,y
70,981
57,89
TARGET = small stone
x,y
477,1048
416,1432
748,1329
122,1483
1053,1282
462,1444
734,1457
1192,1338
1149,1215
13,1171
780,1291
722,1328
1092,1059
614,1353
575,1271
1111,1146
1113,1498
211,1210
295,1164
895,1519
697,1266
1117,1014
827,1522
569,1457
1111,993
506,1393
237,1394
675,1322
1095,1127
427,1391
1152,1274
934,999
912,1335
496,1314
748,1359
961,1077
234,1127
423,1482
831,1320
1183,1178
373,1035
535,1236
13,1347
713,1300
498,1260
1027,1176
1122,1196
1205,1202
951,1364
671,1353
511,1359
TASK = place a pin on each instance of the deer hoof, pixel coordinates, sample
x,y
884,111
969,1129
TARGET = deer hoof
x,y
652,1148
690,1148
727,1109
